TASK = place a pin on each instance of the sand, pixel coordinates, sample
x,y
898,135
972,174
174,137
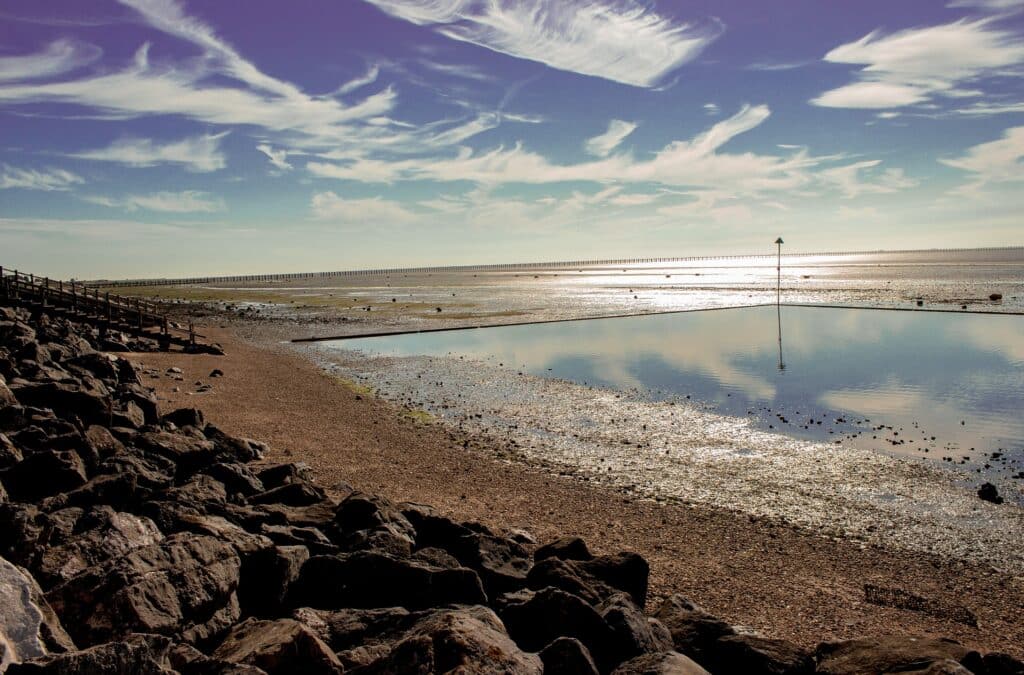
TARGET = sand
x,y
778,579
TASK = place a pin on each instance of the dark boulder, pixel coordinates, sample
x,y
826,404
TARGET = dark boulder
x,y
189,453
884,654
291,535
9,453
631,633
266,577
693,630
44,473
568,656
594,580
278,647
234,449
754,654
238,479
292,494
133,654
350,628
282,474
182,586
989,493
369,579
185,417
465,640
566,548
536,619
98,536
665,663
70,401
142,397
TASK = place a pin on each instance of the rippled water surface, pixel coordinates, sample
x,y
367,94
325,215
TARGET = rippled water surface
x,y
939,385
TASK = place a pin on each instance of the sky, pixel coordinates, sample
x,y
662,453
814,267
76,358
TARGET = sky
x,y
149,138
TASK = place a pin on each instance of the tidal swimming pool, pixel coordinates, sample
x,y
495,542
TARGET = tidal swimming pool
x,y
939,385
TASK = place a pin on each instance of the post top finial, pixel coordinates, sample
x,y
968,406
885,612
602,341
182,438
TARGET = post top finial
x,y
779,241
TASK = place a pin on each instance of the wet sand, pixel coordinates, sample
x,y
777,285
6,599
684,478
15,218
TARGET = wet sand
x,y
779,579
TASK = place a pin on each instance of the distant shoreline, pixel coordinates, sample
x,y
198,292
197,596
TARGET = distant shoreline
x,y
287,276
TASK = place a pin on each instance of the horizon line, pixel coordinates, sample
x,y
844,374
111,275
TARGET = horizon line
x,y
562,264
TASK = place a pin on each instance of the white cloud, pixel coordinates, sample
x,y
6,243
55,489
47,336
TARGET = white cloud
x,y
48,180
848,179
358,83
277,157
916,65
188,201
989,5
985,109
369,211
220,88
696,162
59,57
602,145
622,41
998,161
196,153
711,109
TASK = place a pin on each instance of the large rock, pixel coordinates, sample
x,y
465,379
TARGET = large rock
x,y
267,576
631,633
568,656
141,654
369,579
188,452
666,663
755,654
565,548
364,522
28,626
278,647
886,654
183,586
70,401
44,473
594,580
534,620
467,640
693,630
373,630
99,535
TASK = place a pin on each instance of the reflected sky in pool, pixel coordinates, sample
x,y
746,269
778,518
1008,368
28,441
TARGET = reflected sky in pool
x,y
937,385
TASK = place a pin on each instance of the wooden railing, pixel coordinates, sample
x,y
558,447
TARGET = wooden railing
x,y
92,304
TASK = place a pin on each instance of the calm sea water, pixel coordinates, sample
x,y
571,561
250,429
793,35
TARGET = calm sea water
x,y
940,385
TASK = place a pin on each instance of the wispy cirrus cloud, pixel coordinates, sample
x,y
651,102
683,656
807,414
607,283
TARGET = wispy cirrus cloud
x,y
603,144
994,162
59,57
917,65
221,88
623,41
188,201
851,182
989,5
695,162
47,180
200,154
279,158
372,211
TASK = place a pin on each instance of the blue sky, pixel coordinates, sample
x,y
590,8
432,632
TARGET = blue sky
x,y
164,138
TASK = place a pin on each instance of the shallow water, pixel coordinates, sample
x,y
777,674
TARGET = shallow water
x,y
945,386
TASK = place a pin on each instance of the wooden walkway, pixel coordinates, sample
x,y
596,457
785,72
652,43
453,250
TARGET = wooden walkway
x,y
80,303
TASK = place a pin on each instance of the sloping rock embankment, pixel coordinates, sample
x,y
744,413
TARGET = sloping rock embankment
x,y
135,542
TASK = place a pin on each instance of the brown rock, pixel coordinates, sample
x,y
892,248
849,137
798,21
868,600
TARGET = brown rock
x,y
278,647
